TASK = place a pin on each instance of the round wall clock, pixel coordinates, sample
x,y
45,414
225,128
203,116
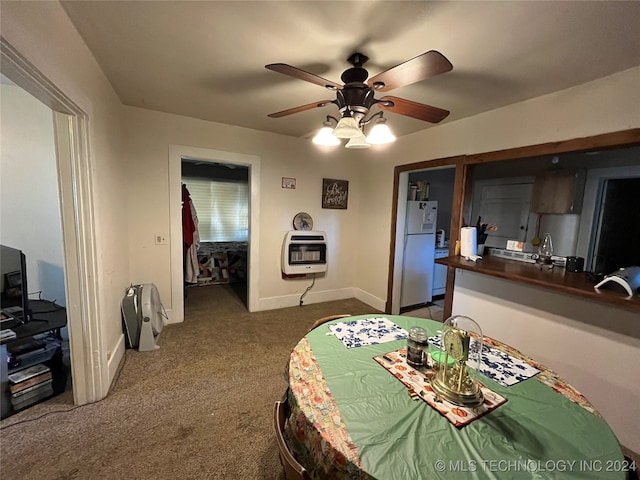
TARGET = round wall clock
x,y
303,221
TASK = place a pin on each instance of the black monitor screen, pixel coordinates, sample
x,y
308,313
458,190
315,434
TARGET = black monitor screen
x,y
14,299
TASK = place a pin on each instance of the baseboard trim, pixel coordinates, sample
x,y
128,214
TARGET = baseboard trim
x,y
170,317
293,300
114,360
369,299
285,301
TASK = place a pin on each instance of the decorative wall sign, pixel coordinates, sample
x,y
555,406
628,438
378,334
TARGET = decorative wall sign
x,y
288,182
335,193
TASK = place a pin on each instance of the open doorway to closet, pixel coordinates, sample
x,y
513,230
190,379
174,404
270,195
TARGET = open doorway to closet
x,y
215,209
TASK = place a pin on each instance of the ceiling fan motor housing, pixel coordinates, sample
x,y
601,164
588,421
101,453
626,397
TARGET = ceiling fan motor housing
x,y
357,99
354,75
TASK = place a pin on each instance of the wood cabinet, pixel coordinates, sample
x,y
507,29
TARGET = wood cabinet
x,y
558,191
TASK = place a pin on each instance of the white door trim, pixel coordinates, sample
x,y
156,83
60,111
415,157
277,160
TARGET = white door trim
x,y
176,154
401,218
88,364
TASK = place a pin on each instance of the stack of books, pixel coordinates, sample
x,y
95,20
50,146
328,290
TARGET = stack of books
x,y
30,385
7,334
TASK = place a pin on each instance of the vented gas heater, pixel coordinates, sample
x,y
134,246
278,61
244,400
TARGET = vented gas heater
x,y
304,251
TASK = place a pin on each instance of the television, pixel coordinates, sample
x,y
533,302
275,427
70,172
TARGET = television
x,y
14,296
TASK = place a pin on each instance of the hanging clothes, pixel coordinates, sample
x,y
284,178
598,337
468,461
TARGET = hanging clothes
x,y
190,236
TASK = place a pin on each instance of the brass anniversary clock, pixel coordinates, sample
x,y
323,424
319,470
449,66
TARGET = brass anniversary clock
x,y
452,381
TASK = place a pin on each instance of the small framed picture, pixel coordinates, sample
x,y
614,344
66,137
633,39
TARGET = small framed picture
x,y
288,182
335,193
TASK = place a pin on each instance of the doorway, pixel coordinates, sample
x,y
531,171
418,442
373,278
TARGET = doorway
x,y
217,195
617,226
89,365
177,154
440,181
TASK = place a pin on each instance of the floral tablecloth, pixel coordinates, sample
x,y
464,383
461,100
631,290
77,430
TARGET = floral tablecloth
x,y
316,430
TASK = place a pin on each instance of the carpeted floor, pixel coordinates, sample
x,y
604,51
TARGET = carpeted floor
x,y
200,407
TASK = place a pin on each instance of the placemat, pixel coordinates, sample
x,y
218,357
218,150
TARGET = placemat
x,y
395,363
369,331
499,366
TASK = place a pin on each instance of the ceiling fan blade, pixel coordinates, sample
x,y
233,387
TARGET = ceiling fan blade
x,y
413,109
429,64
303,75
301,108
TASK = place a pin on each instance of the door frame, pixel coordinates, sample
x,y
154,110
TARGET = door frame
x,y
591,203
89,366
399,212
176,154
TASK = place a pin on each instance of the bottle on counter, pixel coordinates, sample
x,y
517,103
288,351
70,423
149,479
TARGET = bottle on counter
x,y
545,252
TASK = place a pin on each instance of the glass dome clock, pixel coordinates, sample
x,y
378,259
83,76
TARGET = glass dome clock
x,y
461,341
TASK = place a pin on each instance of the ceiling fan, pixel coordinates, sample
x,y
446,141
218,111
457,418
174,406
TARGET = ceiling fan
x,y
356,97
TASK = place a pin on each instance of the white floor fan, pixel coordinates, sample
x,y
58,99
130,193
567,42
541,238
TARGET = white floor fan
x,y
143,316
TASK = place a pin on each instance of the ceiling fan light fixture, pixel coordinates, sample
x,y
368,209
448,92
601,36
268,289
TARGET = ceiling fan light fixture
x,y
325,137
347,128
358,142
380,133
356,95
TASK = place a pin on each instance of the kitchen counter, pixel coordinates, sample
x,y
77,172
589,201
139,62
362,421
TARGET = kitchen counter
x,y
556,279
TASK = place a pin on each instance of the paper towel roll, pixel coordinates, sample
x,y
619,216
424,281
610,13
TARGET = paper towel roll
x,y
468,241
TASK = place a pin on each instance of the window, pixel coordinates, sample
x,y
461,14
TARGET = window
x,y
222,208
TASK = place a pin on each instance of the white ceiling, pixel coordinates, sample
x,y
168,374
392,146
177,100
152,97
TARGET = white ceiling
x,y
205,59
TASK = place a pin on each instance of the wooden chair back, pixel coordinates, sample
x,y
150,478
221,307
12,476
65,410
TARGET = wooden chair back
x,y
292,469
322,320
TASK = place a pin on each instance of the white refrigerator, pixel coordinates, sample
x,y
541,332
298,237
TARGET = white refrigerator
x,y
419,253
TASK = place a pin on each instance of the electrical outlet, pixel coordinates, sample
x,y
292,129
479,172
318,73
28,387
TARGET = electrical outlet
x,y
160,239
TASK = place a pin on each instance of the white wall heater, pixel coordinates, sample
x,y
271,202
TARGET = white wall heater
x,y
304,251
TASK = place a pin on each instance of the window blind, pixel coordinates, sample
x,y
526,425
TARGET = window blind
x,y
222,209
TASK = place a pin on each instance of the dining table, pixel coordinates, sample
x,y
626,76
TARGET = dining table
x,y
354,415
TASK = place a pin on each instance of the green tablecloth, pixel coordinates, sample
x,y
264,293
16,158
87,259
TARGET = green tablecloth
x,y
537,434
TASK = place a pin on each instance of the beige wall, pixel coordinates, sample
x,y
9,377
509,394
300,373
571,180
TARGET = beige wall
x,y
29,197
44,36
147,158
